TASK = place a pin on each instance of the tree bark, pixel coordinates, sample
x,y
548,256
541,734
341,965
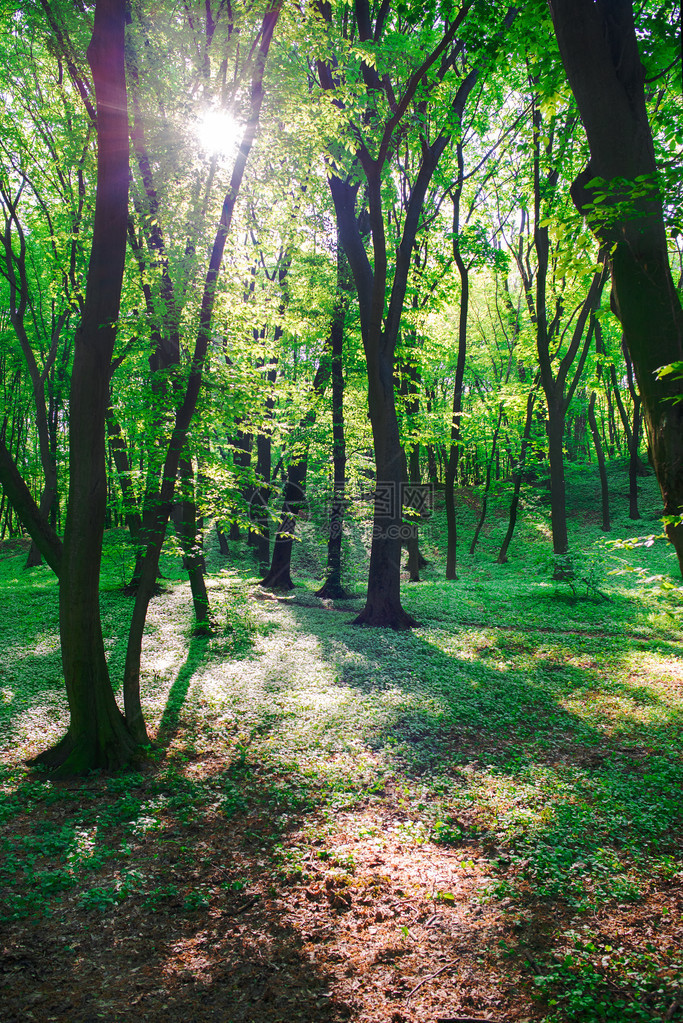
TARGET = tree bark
x,y
279,575
30,515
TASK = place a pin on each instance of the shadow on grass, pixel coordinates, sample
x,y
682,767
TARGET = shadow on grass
x,y
166,910
529,773
177,695
571,819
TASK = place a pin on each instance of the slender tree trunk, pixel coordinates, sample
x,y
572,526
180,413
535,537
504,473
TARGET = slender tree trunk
x,y
604,490
21,499
241,460
186,409
259,504
279,575
456,410
633,512
332,588
634,443
487,485
432,467
517,478
558,497
133,518
185,522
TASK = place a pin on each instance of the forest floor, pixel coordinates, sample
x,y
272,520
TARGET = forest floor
x,y
480,819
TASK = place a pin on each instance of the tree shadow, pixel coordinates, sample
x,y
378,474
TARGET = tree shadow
x,y
446,715
171,910
177,695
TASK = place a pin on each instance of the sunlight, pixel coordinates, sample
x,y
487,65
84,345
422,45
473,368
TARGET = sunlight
x,y
218,133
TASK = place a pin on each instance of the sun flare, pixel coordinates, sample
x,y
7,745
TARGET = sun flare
x,y
218,133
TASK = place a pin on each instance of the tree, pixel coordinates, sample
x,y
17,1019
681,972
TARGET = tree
x,y
392,113
98,735
560,371
619,192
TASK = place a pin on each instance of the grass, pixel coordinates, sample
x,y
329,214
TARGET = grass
x,y
526,725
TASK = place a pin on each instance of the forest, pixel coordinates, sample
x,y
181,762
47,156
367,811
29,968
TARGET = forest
x,y
341,494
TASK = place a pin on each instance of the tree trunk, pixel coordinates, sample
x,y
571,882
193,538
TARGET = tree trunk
x,y
185,522
604,490
279,575
186,409
487,485
456,411
241,458
332,588
599,50
592,422
558,498
21,498
259,502
98,736
222,541
383,603
519,469
633,512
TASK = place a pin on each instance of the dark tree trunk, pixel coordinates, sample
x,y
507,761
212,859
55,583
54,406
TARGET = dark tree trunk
x,y
555,374
517,479
21,499
133,518
380,322
599,50
487,484
261,497
185,522
558,501
383,603
98,736
633,512
456,410
634,442
279,575
592,422
332,588
19,303
604,489
222,541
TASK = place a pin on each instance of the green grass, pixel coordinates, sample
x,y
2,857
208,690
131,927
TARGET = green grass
x,y
541,724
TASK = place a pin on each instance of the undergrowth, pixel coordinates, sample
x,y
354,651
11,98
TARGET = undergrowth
x,y
532,720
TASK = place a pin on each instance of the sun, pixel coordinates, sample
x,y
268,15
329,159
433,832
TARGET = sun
x,y
218,133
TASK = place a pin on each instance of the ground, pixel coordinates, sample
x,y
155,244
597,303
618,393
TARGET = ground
x,y
476,820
